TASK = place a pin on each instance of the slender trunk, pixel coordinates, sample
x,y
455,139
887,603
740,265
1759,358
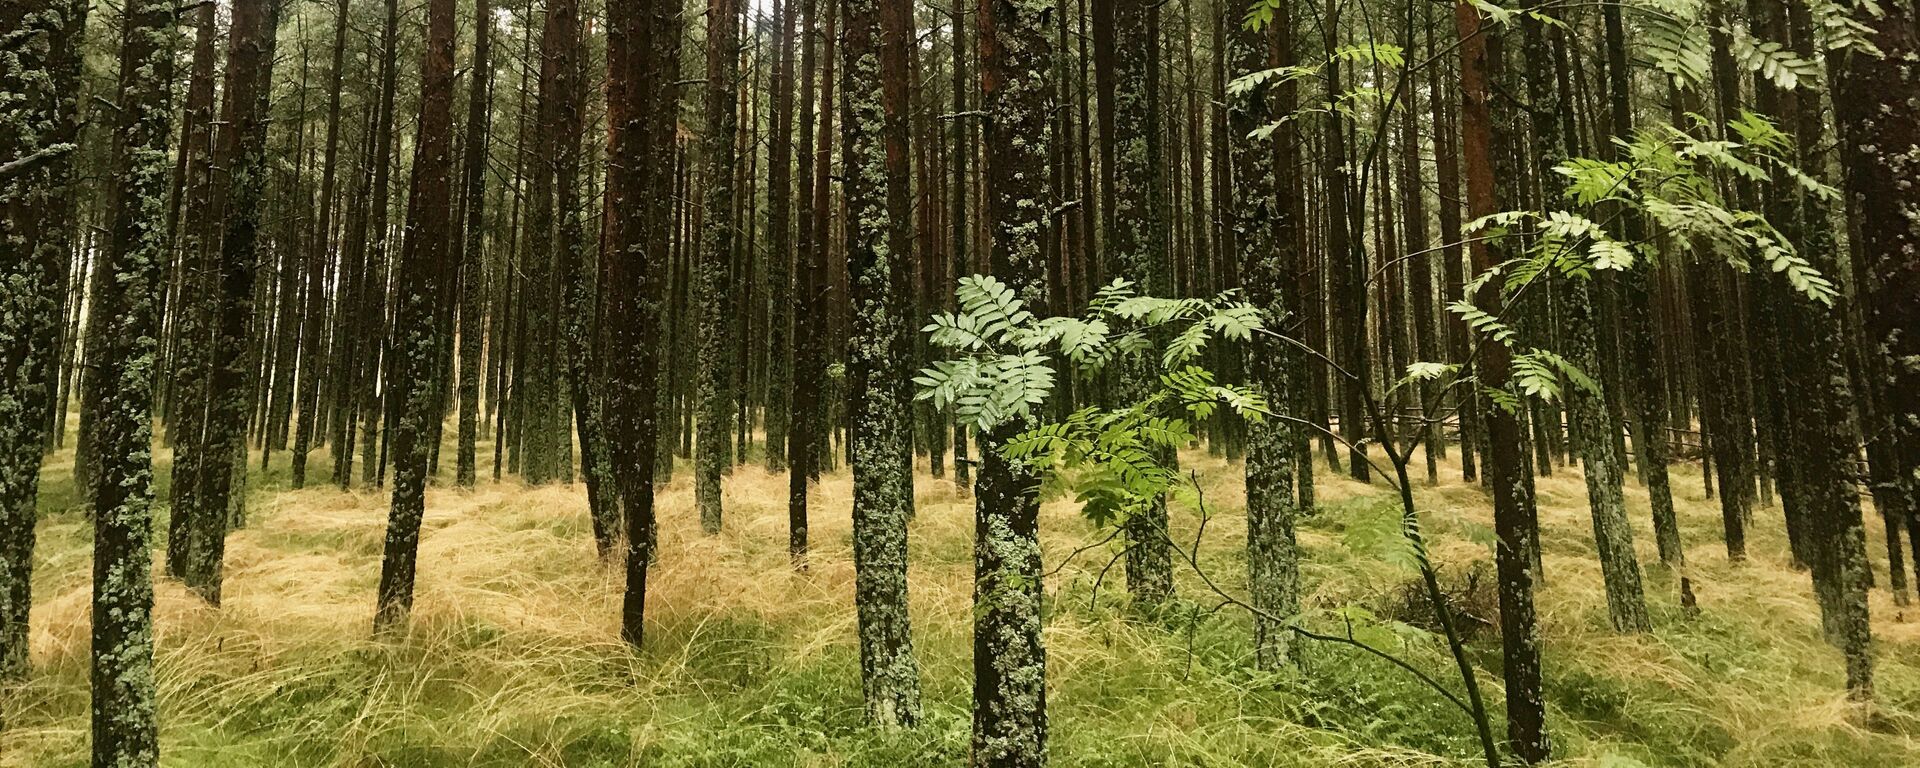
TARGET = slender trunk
x,y
1578,327
36,212
1650,436
1126,55
875,164
423,261
243,138
473,252
1009,661
959,214
125,734
717,151
1506,466
780,243
1263,240
1347,268
1877,102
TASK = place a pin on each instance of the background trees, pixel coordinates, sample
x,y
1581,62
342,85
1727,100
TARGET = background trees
x,y
1621,238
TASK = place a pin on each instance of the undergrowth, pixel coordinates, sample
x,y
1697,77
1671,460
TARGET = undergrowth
x,y
513,656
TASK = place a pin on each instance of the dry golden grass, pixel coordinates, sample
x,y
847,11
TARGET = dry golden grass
x,y
513,656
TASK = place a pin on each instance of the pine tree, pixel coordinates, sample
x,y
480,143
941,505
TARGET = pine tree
x,y
423,260
1820,413
880,251
807,438
194,262
1612,533
959,215
320,252
473,243
578,290
780,243
1261,225
717,151
1127,60
39,132
242,142
1650,379
1513,503
1877,106
1009,661
125,734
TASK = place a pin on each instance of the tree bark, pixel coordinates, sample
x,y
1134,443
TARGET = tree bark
x,y
1506,461
875,169
125,734
1009,661
243,138
1126,62
423,261
473,245
717,152
1263,241
1877,103
36,222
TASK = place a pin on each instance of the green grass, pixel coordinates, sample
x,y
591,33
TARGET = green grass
x,y
513,656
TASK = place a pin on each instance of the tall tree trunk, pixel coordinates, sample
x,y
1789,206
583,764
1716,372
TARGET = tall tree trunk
x,y
125,734
806,443
780,243
1263,240
473,245
643,51
1126,60
1578,327
243,139
1347,268
1821,414
716,249
36,224
959,213
1513,508
875,162
1650,436
1877,103
187,421
423,261
319,255
1009,661
578,295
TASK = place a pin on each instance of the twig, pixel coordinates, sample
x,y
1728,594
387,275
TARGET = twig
x,y
29,163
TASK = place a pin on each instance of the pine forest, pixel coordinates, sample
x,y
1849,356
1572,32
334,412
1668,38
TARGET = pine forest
x,y
985,383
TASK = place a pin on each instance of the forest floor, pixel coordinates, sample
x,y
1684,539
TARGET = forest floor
x,y
514,657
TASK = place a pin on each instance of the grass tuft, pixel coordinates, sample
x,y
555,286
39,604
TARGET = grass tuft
x,y
513,658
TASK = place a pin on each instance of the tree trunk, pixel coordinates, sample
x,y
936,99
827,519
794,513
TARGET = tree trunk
x,y
473,251
1263,240
1506,461
187,421
1126,61
1578,327
423,261
125,734
1009,662
1877,102
243,137
319,255
717,153
780,243
36,212
875,162
1347,269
